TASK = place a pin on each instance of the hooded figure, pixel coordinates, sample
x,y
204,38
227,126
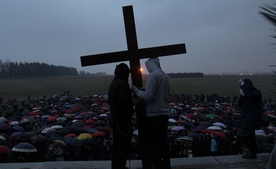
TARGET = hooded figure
x,y
121,111
250,101
122,71
156,95
155,149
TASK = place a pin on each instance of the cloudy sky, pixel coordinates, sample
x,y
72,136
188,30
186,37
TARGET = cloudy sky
x,y
221,36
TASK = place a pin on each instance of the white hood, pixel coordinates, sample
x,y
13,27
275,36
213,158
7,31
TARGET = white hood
x,y
152,64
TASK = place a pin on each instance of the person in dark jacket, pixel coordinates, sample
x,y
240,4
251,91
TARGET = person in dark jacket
x,y
250,101
121,111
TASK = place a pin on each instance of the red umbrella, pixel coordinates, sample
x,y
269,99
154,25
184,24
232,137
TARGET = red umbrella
x,y
218,133
51,118
98,134
73,135
191,116
89,121
4,149
33,113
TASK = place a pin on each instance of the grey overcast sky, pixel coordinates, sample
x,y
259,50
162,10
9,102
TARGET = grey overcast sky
x,y
221,36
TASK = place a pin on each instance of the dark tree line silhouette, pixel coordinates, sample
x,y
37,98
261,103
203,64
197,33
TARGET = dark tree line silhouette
x,y
180,75
27,70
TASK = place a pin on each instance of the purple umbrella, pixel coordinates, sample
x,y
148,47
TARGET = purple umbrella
x,y
178,128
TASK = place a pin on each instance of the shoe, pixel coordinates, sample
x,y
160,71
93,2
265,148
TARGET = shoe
x,y
249,155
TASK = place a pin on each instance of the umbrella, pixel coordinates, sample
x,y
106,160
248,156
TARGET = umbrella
x,y
59,143
45,116
171,120
178,128
38,139
98,134
14,135
24,147
103,115
170,127
4,149
201,127
219,124
78,117
191,116
61,119
4,126
193,135
91,130
89,121
51,118
4,142
36,108
136,132
3,119
73,135
57,126
210,116
3,137
33,113
214,128
18,128
13,122
73,141
185,138
218,133
24,120
185,118
189,125
48,129
84,136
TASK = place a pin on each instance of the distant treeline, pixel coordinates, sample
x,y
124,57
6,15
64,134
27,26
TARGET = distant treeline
x,y
35,69
177,75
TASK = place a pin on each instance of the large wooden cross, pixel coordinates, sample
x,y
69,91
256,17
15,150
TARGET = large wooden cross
x,y
133,55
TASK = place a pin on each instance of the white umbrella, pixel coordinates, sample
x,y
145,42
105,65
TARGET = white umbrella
x,y
135,132
219,124
215,128
46,130
57,127
171,120
24,147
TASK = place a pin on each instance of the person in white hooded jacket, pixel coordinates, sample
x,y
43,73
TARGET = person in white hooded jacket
x,y
156,100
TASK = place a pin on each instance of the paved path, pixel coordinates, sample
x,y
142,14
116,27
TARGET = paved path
x,y
218,162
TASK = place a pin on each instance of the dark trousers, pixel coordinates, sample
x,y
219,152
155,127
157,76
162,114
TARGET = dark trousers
x,y
157,152
248,138
121,147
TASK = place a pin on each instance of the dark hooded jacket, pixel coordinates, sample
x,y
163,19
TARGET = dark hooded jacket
x,y
251,104
120,98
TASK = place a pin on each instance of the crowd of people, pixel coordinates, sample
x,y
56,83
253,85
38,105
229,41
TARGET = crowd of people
x,y
69,128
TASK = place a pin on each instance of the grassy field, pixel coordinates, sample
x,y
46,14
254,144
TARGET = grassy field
x,y
84,86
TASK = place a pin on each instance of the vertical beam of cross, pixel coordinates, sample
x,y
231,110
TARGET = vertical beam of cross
x,y
132,44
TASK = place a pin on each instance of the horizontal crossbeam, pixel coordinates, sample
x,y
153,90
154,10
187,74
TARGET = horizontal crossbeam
x,y
143,53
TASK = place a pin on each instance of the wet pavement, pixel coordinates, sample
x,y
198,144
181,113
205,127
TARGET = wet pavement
x,y
217,162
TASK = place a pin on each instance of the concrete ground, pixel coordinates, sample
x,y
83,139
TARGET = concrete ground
x,y
217,162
